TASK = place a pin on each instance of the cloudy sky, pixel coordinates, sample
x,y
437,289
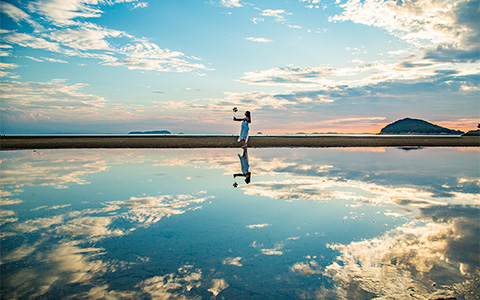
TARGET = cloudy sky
x,y
348,66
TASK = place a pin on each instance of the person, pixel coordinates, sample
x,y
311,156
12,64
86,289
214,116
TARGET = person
x,y
245,166
244,128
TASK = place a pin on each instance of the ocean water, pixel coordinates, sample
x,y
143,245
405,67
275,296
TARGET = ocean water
x,y
328,223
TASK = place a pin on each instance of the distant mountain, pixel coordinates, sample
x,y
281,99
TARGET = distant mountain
x,y
151,132
416,126
473,133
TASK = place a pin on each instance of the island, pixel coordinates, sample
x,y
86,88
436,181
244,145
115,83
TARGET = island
x,y
151,132
417,127
473,133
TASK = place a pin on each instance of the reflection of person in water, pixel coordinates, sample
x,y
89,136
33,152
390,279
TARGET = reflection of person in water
x,y
245,128
245,168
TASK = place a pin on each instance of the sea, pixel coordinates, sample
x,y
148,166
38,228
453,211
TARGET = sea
x,y
269,223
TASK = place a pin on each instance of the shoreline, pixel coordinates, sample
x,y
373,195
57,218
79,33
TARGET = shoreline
x,y
101,142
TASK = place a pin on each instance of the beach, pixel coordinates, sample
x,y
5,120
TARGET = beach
x,y
103,141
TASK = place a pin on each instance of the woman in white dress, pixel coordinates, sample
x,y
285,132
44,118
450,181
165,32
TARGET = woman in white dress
x,y
244,129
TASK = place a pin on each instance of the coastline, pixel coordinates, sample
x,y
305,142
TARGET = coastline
x,y
102,141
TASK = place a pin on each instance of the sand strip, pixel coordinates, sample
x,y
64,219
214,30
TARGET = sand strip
x,y
62,142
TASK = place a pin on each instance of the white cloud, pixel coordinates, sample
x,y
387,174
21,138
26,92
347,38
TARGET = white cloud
x,y
55,60
259,40
413,21
231,3
45,98
256,20
17,14
30,41
140,5
61,12
331,79
443,27
87,40
278,14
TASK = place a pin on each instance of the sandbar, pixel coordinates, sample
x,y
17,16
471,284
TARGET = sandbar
x,y
164,141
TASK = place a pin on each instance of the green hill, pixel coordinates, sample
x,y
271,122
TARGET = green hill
x,y
416,126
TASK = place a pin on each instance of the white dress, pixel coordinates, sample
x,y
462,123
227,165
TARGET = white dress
x,y
244,131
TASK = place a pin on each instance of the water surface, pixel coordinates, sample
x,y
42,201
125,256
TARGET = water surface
x,y
321,223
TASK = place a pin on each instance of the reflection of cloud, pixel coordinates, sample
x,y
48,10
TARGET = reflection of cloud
x,y
172,286
141,212
57,168
306,268
277,249
149,210
234,261
218,285
258,225
435,260
67,263
7,216
325,189
89,227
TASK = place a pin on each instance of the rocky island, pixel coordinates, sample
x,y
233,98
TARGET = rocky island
x,y
151,132
417,127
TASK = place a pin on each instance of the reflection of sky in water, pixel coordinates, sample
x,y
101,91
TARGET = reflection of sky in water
x,y
311,224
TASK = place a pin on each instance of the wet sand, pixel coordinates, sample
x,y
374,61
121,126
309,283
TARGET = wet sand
x,y
63,142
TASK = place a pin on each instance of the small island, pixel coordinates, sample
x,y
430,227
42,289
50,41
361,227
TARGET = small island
x,y
151,132
417,127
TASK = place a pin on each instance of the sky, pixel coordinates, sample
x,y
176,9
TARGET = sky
x,y
345,66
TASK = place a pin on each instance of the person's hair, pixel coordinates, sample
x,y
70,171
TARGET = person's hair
x,y
247,113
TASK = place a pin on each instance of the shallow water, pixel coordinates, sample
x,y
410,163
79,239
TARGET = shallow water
x,y
176,224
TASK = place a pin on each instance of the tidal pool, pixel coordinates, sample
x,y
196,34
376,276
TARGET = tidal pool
x,y
324,223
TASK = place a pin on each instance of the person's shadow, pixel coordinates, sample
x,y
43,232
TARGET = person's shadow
x,y
244,167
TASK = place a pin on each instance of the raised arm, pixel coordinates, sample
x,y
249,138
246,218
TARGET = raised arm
x,y
242,119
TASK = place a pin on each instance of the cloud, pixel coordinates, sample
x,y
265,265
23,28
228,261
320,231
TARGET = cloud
x,y
258,40
231,3
64,35
17,14
62,12
331,78
442,27
277,14
29,41
140,5
4,66
393,83
21,99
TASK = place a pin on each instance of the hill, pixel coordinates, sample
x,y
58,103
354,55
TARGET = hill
x,y
473,133
150,132
416,126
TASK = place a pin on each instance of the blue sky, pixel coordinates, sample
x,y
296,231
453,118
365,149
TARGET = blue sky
x,y
114,66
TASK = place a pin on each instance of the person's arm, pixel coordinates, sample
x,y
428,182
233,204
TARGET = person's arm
x,y
237,119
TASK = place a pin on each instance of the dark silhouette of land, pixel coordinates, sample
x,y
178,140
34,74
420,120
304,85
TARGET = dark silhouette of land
x,y
416,126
